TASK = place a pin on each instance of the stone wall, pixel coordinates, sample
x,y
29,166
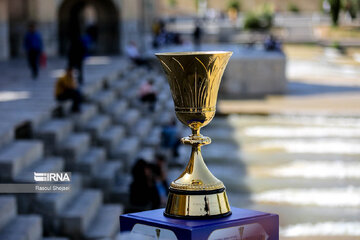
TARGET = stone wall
x,y
254,75
251,72
131,25
4,31
44,12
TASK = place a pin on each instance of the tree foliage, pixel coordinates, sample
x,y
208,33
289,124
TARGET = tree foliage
x,y
234,4
260,20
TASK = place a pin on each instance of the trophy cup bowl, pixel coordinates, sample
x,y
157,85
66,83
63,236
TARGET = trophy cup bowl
x,y
194,79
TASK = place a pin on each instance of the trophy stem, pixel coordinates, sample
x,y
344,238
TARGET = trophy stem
x,y
196,139
195,131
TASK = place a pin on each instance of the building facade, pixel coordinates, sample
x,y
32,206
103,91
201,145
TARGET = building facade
x,y
111,23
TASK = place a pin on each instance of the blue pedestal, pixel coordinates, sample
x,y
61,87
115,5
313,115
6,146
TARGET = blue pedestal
x,y
242,224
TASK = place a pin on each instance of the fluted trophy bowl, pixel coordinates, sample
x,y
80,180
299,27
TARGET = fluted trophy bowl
x,y
194,79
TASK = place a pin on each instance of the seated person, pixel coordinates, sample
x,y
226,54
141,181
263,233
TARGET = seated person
x,y
66,89
133,53
144,194
148,94
272,44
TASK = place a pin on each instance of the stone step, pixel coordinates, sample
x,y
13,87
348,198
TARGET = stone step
x,y
153,139
337,237
255,134
88,111
106,223
131,93
165,118
120,192
141,128
277,158
78,216
97,125
239,121
126,151
257,185
91,160
103,99
27,227
52,204
74,147
48,165
256,179
117,108
215,153
112,137
6,134
55,238
107,173
111,78
17,156
294,214
91,88
129,118
221,134
120,86
54,132
8,210
147,153
308,169
220,122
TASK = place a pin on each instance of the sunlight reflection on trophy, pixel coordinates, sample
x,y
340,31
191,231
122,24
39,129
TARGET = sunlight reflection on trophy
x,y
194,79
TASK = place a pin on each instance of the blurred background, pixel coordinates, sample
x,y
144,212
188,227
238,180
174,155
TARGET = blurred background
x,y
82,92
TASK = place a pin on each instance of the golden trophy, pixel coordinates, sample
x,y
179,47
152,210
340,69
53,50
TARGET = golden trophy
x,y
194,79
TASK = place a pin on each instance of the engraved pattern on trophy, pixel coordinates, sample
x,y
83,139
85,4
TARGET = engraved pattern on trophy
x,y
194,79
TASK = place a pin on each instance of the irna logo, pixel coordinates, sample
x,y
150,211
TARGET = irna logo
x,y
52,177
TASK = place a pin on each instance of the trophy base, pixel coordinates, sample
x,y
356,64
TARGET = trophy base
x,y
241,224
197,204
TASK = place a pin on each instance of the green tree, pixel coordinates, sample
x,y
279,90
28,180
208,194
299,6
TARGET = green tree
x,y
351,7
260,20
234,4
292,7
172,3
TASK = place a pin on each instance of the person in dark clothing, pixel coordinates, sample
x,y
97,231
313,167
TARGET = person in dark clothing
x,y
33,46
170,138
160,174
143,192
133,53
66,89
272,44
76,55
197,34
